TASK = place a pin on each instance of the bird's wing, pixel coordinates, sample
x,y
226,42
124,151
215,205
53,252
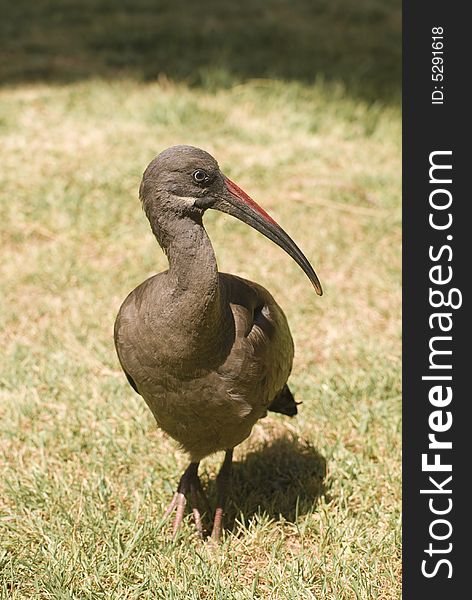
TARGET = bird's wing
x,y
129,334
131,381
262,355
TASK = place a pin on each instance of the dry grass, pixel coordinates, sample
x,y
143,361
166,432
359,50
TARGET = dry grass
x,y
85,475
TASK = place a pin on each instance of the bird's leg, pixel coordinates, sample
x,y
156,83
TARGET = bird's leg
x,y
190,489
223,481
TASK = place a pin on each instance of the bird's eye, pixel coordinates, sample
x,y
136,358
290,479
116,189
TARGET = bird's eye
x,y
200,176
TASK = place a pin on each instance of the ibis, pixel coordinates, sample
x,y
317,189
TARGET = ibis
x,y
209,352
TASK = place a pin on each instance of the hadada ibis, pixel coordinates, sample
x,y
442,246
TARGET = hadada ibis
x,y
209,352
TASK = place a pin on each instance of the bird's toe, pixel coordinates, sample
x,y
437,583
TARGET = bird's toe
x,y
189,490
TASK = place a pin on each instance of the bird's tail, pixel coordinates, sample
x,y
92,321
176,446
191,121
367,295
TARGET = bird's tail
x,y
284,403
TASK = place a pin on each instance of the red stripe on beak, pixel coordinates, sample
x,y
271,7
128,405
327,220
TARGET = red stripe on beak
x,y
234,201
241,194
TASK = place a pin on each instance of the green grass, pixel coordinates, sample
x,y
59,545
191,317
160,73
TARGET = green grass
x,y
315,511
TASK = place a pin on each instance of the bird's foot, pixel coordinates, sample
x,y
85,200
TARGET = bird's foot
x,y
189,488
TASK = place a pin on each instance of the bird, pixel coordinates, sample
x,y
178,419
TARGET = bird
x,y
209,352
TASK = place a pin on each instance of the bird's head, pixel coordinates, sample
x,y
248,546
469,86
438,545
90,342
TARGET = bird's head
x,y
184,181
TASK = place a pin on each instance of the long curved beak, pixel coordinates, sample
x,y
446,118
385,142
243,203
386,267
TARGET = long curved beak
x,y
237,203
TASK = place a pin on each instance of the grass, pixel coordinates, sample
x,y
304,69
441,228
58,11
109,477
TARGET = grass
x,y
315,511
206,44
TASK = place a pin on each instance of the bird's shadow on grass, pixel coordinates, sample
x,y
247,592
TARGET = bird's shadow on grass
x,y
282,480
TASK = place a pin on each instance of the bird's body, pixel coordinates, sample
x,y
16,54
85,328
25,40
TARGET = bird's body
x,y
209,352
233,360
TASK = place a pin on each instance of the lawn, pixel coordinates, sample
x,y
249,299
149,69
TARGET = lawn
x,y
300,107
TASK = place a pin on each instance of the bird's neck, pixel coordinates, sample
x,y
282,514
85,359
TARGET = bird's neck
x,y
192,280
192,261
198,315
